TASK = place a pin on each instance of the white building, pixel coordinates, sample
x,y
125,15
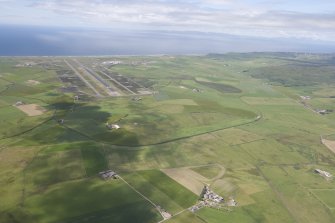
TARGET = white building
x,y
323,173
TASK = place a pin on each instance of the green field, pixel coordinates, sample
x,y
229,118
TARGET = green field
x,y
162,190
326,196
89,200
209,171
235,121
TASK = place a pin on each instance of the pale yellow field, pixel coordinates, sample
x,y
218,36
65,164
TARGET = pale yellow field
x,y
31,109
235,136
268,101
330,144
188,178
178,102
192,180
32,82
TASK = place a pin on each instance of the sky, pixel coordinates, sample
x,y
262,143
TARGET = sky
x,y
294,20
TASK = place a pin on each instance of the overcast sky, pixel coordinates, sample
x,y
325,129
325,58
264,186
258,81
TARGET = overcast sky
x,y
307,21
314,19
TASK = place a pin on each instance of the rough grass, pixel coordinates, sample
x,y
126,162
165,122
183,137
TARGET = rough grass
x,y
326,196
268,101
54,167
223,88
94,160
217,216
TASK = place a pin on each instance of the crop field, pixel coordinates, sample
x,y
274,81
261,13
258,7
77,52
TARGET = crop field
x,y
188,178
167,126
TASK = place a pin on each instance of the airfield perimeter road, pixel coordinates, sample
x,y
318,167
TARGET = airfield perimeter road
x,y
83,79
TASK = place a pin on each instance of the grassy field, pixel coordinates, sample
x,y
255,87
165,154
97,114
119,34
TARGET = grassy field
x,y
209,171
90,200
235,121
185,217
162,190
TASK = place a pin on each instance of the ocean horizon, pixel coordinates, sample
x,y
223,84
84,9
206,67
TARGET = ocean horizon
x,y
21,40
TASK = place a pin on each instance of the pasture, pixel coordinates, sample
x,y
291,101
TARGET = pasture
x,y
233,121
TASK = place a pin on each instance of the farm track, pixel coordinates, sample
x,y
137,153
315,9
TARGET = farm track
x,y
194,135
28,130
277,193
166,141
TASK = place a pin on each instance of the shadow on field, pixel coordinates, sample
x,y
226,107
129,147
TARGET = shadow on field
x,y
91,201
75,146
73,122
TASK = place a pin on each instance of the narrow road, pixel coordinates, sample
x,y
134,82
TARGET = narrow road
x,y
142,195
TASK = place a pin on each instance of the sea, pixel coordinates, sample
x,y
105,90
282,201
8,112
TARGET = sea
x,y
19,40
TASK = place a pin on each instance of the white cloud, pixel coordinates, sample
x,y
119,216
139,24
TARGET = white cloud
x,y
228,16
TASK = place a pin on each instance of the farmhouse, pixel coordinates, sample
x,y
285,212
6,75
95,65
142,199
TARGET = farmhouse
x,y
209,195
112,126
210,199
108,174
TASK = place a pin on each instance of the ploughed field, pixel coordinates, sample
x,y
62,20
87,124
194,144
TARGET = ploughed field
x,y
254,127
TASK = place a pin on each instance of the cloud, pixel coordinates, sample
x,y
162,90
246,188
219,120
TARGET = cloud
x,y
241,17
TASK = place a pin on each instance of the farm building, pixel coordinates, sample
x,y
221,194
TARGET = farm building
x,y
108,174
208,194
324,111
112,126
323,173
